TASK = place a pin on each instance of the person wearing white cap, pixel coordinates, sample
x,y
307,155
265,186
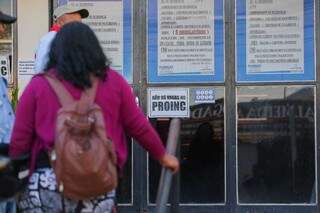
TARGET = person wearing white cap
x,y
61,15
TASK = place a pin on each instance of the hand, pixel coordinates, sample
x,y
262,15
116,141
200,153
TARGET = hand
x,y
4,161
170,162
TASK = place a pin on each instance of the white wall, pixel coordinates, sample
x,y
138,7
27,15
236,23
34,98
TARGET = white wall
x,y
33,23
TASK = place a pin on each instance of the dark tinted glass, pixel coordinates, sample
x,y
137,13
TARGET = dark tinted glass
x,y
202,176
276,144
124,191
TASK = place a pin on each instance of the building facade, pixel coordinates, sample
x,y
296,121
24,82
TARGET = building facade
x,y
240,74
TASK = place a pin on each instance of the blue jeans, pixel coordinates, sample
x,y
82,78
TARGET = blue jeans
x,y
8,206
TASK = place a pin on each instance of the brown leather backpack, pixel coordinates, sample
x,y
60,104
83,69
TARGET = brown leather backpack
x,y
83,157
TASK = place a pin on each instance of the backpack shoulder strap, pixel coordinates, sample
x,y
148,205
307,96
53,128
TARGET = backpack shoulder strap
x,y
63,95
89,95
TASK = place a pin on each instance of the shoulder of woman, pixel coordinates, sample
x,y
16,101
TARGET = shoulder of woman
x,y
37,82
115,76
38,78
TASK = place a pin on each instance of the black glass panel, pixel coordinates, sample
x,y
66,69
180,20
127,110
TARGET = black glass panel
x,y
124,190
202,176
162,127
276,144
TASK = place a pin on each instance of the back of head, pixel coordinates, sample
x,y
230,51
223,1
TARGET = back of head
x,y
76,54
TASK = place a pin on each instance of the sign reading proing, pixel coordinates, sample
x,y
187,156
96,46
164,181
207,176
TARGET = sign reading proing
x,y
168,102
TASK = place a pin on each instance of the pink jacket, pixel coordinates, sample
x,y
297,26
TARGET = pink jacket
x,y
34,126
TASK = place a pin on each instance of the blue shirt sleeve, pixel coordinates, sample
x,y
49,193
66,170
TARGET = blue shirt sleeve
x,y
6,114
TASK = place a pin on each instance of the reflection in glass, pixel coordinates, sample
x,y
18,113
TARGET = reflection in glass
x,y
5,49
7,34
6,62
201,153
276,144
202,168
124,190
6,45
162,127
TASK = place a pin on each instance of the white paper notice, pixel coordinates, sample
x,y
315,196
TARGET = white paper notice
x,y
25,72
106,20
168,102
185,37
5,69
275,36
26,67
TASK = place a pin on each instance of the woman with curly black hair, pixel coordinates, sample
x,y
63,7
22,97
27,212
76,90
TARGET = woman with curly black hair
x,y
76,58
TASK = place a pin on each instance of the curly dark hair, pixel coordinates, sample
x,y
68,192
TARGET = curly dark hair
x,y
76,54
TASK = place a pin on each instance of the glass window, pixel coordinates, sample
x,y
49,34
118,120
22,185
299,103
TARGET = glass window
x,y
162,127
6,43
202,155
276,144
124,190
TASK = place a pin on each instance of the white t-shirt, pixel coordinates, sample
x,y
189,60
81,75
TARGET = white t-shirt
x,y
42,53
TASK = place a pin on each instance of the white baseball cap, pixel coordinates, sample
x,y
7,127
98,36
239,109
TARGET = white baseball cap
x,y
67,9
